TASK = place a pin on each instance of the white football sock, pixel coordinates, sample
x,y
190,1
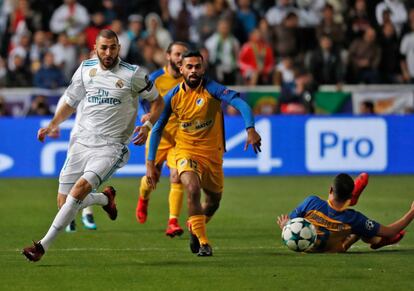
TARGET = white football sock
x,y
87,210
64,216
95,199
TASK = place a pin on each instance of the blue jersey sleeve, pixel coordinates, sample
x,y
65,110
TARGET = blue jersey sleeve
x,y
145,104
222,93
160,124
363,226
302,208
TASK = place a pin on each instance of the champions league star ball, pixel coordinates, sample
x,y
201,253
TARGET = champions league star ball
x,y
299,234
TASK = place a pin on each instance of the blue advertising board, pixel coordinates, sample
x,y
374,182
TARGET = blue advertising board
x,y
291,145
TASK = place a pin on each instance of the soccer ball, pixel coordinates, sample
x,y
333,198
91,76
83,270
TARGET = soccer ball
x,y
299,234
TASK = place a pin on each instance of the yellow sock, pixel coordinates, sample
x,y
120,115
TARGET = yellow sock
x,y
144,189
198,227
176,199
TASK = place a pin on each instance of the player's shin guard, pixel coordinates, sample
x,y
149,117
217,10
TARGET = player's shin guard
x,y
176,199
64,216
144,189
198,227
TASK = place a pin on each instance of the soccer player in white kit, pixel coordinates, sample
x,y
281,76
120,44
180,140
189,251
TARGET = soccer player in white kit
x,y
109,88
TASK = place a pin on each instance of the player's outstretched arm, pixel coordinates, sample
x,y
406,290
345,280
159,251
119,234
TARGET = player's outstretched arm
x,y
395,227
64,112
156,108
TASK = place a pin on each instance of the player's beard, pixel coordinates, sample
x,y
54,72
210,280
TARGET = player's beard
x,y
175,67
193,82
108,62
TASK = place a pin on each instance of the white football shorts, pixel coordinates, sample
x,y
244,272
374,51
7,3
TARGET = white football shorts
x,y
94,164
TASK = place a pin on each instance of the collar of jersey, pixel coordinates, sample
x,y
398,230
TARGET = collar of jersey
x,y
337,208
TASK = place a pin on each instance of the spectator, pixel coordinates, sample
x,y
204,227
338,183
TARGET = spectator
x,y
310,12
3,108
278,13
407,52
123,37
329,27
389,66
256,60
3,72
23,50
207,23
209,69
287,36
398,13
39,46
247,18
325,63
299,99
136,36
96,25
110,11
358,20
20,22
364,58
367,107
71,18
407,26
49,76
284,74
39,106
265,30
19,75
154,27
224,49
64,53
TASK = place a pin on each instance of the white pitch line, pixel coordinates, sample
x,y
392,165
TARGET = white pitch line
x,y
144,249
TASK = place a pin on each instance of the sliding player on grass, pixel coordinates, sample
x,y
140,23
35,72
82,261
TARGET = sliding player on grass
x,y
339,227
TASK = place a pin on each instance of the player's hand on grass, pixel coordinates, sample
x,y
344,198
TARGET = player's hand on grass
x,y
141,135
254,139
153,174
49,131
282,220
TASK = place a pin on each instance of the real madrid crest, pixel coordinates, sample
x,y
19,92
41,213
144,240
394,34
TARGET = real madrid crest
x,y
92,72
119,84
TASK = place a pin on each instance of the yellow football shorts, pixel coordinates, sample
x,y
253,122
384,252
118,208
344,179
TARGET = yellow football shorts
x,y
211,174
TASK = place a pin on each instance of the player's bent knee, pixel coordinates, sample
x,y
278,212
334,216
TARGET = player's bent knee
x,y
61,199
174,178
84,185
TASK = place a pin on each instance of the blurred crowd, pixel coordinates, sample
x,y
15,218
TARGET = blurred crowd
x,y
296,44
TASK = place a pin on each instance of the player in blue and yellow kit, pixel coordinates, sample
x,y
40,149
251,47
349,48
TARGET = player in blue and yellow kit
x,y
196,103
339,227
164,80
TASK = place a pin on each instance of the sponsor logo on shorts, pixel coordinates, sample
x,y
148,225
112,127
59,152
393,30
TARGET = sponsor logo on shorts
x,y
182,162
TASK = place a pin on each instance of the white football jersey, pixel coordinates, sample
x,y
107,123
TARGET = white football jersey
x,y
110,101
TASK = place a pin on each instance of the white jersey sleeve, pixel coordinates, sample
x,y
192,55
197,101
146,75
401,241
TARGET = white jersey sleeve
x,y
142,86
75,92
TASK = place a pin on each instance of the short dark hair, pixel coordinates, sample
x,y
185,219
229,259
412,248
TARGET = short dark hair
x,y
342,187
192,53
181,43
107,33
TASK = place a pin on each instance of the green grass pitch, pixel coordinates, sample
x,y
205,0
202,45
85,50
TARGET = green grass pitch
x,y
248,252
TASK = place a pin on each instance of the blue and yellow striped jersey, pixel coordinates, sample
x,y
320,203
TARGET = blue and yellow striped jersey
x,y
334,225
